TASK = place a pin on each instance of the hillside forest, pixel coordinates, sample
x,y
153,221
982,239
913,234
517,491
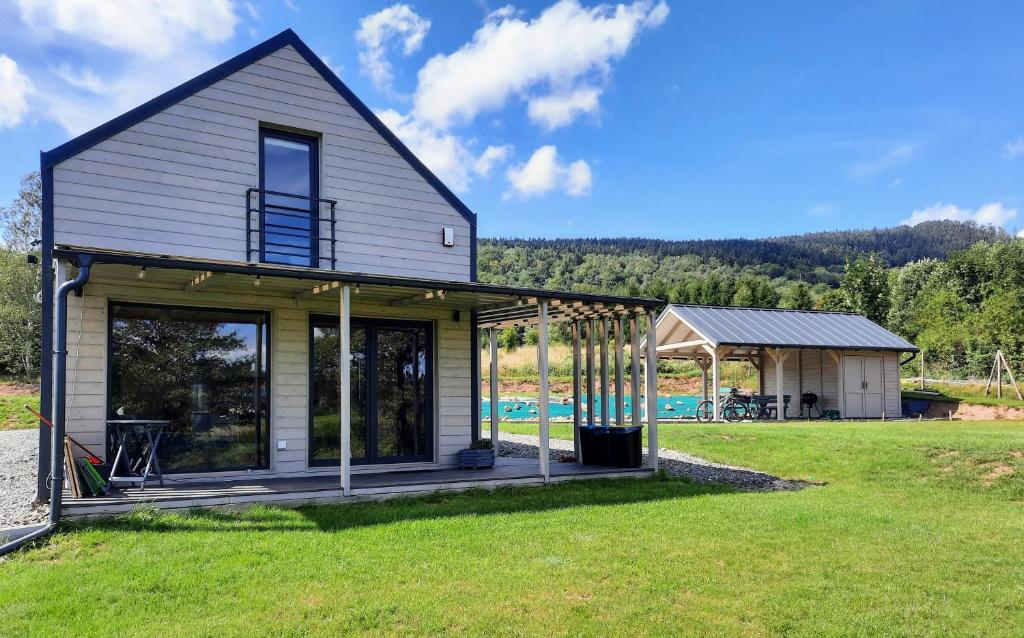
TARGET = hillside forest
x,y
956,289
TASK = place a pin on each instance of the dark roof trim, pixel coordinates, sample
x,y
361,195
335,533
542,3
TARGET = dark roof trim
x,y
312,274
811,346
237,63
812,311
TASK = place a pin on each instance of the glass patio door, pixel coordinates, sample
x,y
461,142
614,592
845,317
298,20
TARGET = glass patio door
x,y
391,400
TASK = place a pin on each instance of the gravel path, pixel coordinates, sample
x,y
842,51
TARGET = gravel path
x,y
18,458
677,463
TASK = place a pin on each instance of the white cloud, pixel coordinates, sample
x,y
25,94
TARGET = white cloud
x,y
554,111
445,154
14,90
155,46
1014,148
395,23
492,156
545,172
897,156
992,214
149,28
566,46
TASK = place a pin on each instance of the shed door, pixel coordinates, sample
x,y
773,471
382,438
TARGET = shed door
x,y
853,386
873,388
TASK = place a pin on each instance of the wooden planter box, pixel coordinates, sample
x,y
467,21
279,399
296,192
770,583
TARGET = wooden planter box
x,y
476,459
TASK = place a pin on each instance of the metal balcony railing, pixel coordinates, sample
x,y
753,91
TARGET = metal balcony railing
x,y
280,230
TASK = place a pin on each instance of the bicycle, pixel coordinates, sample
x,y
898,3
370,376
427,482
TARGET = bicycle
x,y
735,407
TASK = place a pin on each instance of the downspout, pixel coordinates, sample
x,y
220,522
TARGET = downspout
x,y
59,400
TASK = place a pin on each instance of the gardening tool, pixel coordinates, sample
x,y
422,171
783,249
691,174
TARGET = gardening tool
x,y
93,459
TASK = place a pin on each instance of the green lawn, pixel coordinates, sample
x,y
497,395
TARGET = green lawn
x,y
14,416
917,532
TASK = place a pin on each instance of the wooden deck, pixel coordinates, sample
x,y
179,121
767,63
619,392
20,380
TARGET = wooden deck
x,y
178,495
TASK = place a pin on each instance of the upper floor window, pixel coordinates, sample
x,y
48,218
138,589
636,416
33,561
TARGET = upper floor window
x,y
289,188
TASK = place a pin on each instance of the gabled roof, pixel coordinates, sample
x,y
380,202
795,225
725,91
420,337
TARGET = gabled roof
x,y
725,326
235,64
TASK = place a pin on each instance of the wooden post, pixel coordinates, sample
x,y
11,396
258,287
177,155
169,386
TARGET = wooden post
x,y
652,390
345,366
704,378
577,406
493,333
716,383
620,389
999,374
922,369
634,379
543,406
591,372
604,372
1009,372
780,403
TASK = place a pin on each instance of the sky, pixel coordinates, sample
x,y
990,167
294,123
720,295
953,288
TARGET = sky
x,y
570,118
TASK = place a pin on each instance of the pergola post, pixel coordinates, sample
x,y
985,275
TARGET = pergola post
x,y
344,369
780,403
543,406
652,390
620,391
493,334
703,365
634,378
591,372
716,382
604,372
577,407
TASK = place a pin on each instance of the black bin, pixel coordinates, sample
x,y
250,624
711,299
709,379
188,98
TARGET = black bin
x,y
624,448
614,446
593,445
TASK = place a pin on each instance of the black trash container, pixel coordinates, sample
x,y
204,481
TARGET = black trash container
x,y
593,445
623,448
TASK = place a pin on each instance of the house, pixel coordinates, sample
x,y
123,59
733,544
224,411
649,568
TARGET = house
x,y
256,259
846,361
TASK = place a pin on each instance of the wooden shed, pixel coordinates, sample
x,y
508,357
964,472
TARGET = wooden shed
x,y
851,363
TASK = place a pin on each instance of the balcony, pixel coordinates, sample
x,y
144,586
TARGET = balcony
x,y
289,229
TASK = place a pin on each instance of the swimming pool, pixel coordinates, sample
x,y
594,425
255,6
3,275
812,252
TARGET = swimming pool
x,y
681,406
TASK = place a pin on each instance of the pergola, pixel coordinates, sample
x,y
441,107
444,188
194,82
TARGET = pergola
x,y
591,322
488,306
710,335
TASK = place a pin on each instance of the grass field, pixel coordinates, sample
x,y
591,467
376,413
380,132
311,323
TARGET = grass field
x,y
13,415
916,532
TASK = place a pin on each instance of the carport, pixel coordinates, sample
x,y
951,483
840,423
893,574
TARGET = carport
x,y
851,363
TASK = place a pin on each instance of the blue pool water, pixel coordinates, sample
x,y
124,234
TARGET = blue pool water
x,y
682,406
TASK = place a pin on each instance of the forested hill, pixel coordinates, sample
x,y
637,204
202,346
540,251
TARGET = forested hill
x,y
816,258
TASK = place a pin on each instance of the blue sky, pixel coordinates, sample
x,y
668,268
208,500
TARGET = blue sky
x,y
663,119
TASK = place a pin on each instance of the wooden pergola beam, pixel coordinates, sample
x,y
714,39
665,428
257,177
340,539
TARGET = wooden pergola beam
x,y
420,298
199,282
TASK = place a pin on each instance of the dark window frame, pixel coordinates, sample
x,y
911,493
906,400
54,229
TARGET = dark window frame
x,y
314,190
267,377
371,324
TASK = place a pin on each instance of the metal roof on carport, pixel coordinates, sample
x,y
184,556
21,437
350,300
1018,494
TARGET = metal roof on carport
x,y
750,328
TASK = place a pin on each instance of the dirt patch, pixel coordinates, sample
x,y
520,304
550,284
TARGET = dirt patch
x,y
973,411
995,473
16,389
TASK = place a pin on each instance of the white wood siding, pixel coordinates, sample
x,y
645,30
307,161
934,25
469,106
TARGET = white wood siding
x,y
820,374
87,366
175,183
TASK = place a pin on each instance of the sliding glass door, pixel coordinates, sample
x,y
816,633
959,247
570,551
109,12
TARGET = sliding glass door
x,y
391,394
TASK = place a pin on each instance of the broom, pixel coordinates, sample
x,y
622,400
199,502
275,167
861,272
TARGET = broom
x,y
93,459
84,475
